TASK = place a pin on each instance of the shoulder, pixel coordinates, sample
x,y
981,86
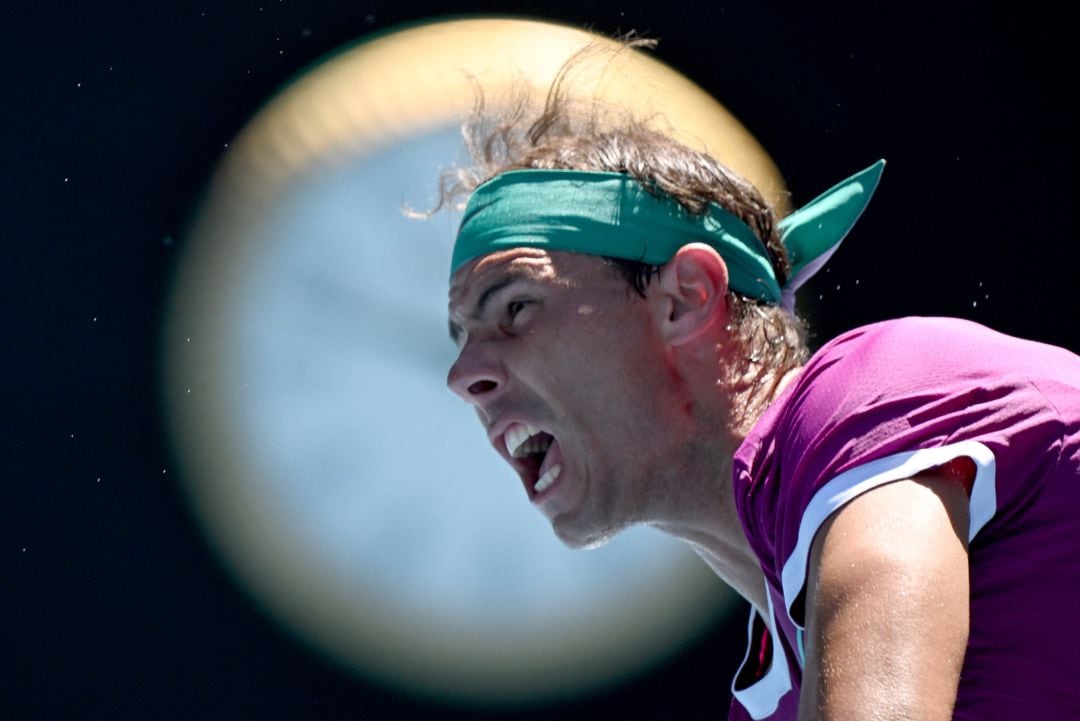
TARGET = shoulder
x,y
932,347
923,372
866,405
871,378
900,386
910,363
911,346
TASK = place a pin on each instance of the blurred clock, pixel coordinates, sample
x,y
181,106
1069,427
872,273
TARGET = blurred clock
x,y
354,497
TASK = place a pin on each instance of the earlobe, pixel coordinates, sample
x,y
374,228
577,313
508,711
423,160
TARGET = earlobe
x,y
693,285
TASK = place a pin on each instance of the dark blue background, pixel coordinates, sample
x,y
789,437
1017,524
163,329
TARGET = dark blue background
x,y
114,114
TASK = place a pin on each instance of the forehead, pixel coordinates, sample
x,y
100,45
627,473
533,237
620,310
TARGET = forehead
x,y
556,268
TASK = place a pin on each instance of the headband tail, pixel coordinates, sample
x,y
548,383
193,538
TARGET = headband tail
x,y
813,233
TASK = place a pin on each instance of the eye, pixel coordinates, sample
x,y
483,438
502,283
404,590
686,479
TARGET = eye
x,y
514,307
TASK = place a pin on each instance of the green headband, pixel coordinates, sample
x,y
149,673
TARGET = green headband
x,y
613,215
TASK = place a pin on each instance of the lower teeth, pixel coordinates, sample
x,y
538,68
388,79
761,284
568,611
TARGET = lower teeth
x,y
548,478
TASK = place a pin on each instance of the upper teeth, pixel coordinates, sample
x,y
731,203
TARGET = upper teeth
x,y
521,440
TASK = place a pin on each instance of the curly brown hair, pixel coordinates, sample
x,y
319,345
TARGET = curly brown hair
x,y
570,132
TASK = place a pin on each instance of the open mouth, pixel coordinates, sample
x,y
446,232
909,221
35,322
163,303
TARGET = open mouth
x,y
531,447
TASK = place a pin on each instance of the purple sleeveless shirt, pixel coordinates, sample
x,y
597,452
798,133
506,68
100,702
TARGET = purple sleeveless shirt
x,y
880,404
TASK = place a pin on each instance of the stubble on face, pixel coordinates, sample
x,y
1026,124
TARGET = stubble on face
x,y
584,360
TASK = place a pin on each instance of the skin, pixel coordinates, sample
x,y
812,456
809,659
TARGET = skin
x,y
887,604
558,341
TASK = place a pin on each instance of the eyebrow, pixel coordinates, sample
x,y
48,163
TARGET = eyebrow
x,y
455,329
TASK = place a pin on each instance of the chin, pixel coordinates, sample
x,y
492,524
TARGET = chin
x,y
582,539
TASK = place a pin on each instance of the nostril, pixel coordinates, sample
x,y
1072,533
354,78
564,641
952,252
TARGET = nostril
x,y
481,387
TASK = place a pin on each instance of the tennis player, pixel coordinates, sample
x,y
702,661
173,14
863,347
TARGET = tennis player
x,y
901,508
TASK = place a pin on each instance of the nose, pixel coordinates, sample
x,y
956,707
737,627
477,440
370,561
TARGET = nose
x,y
475,376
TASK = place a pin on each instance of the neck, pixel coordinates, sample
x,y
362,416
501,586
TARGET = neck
x,y
712,527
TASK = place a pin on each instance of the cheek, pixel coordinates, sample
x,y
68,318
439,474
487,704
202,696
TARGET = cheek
x,y
615,361
590,352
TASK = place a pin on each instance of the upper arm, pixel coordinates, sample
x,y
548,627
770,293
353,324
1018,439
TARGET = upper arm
x,y
887,604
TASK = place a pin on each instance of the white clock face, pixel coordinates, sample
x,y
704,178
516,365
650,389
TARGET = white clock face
x,y
357,499
381,484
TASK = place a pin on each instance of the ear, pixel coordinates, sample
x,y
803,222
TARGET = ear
x,y
693,288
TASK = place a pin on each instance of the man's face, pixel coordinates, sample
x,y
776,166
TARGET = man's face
x,y
564,366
